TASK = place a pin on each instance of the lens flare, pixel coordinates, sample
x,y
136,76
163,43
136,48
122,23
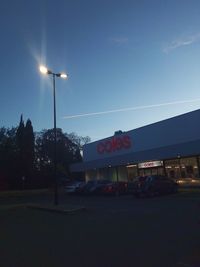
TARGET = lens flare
x,y
43,69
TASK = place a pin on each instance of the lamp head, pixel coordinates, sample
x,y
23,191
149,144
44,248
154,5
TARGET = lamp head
x,y
43,69
63,75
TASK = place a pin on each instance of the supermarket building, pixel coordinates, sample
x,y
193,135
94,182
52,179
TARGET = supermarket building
x,y
170,147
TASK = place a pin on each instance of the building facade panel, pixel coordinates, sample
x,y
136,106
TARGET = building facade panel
x,y
170,147
180,129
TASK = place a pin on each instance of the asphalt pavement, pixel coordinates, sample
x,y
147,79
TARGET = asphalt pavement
x,y
111,232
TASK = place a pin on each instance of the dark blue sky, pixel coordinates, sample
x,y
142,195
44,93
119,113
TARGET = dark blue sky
x,y
118,54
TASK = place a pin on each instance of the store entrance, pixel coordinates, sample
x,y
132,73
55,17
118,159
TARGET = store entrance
x,y
151,171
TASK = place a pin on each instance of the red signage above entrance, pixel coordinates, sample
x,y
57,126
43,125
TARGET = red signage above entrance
x,y
114,144
150,164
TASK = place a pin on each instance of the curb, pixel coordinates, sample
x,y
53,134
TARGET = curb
x,y
55,209
21,193
11,207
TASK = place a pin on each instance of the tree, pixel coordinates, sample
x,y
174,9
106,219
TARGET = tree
x,y
25,144
29,156
67,152
21,152
20,136
80,141
29,153
8,158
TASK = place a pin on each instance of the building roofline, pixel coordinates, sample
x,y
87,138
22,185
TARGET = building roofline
x,y
147,125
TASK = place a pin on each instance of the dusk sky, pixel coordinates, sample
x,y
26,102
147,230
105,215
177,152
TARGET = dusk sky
x,y
140,59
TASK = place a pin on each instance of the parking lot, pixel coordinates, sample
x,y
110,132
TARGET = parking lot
x,y
112,231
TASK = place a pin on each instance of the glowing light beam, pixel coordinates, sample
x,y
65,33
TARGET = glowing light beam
x,y
131,108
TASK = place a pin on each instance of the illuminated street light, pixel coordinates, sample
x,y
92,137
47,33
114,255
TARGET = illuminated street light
x,y
63,75
45,70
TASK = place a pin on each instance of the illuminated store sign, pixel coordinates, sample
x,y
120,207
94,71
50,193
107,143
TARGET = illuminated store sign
x,y
114,144
150,164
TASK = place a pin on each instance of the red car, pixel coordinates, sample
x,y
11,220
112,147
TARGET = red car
x,y
115,188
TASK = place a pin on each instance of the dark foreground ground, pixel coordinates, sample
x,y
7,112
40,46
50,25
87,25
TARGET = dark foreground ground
x,y
111,232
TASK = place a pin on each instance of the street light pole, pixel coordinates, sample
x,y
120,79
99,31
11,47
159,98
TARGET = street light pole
x,y
44,70
55,143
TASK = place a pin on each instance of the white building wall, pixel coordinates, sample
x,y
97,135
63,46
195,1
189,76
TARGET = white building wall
x,y
179,129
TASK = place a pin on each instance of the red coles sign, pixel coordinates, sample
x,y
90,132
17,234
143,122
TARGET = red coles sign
x,y
114,144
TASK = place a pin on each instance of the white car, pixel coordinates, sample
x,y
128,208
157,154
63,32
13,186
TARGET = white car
x,y
72,187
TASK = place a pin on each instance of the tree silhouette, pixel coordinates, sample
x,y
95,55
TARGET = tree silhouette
x,y
8,158
25,143
67,152
27,159
21,148
29,154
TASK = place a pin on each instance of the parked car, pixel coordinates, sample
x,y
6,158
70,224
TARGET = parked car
x,y
73,187
152,185
97,189
94,187
86,188
115,188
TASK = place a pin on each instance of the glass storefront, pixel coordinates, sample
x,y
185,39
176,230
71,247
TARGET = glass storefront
x,y
111,173
132,172
151,171
182,168
189,168
122,173
91,175
173,168
151,168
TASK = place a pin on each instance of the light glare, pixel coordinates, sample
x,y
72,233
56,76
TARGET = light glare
x,y
43,69
63,75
